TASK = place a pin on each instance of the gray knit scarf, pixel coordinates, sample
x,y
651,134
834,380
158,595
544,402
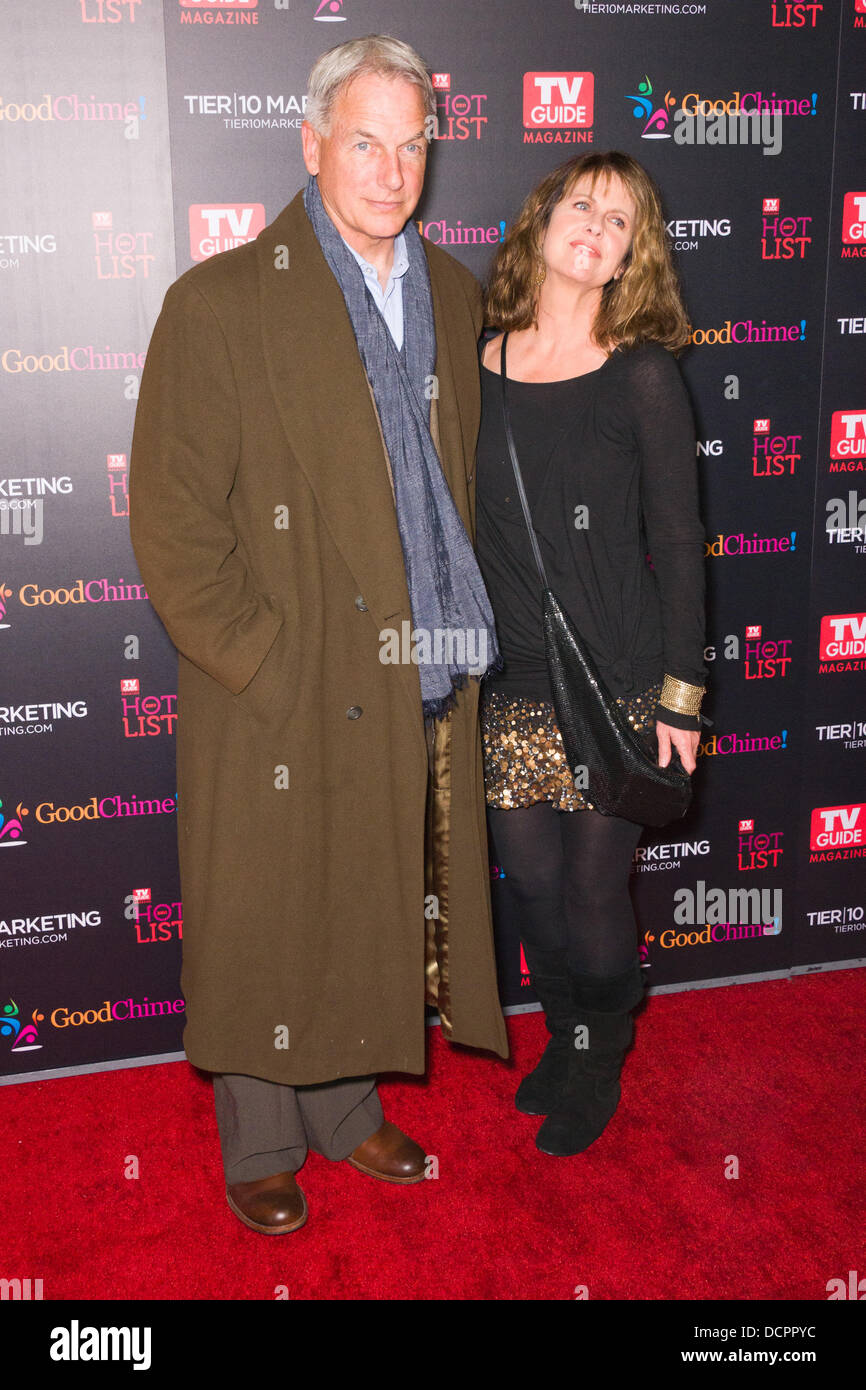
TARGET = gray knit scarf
x,y
454,635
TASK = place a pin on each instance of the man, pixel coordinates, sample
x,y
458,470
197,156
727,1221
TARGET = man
x,y
301,495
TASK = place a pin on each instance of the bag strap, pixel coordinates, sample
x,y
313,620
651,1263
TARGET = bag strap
x,y
518,477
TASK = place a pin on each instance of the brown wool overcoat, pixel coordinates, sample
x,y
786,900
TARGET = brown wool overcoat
x,y
263,524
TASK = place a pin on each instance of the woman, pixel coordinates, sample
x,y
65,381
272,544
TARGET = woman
x,y
584,289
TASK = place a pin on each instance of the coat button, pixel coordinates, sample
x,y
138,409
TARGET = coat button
x,y
355,712
360,604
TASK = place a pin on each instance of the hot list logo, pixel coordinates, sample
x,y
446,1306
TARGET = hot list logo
x,y
153,921
120,255
118,496
459,115
837,832
763,658
757,851
854,225
224,12
788,16
220,227
773,455
783,238
848,441
842,643
146,716
558,107
108,11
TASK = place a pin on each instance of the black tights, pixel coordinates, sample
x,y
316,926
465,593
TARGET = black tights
x,y
566,883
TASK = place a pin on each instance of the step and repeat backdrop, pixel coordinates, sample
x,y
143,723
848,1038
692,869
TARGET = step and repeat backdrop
x,y
140,136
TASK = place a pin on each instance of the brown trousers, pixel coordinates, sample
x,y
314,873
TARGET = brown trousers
x,y
267,1128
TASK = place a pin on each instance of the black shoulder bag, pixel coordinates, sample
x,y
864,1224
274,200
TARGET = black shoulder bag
x,y
623,775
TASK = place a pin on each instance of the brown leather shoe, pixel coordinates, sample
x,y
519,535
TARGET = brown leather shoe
x,y
274,1205
390,1155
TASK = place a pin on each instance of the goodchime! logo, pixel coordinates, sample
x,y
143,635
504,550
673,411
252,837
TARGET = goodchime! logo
x,y
329,11
24,1035
745,118
11,829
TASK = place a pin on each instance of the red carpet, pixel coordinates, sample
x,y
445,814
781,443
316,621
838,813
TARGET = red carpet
x,y
770,1073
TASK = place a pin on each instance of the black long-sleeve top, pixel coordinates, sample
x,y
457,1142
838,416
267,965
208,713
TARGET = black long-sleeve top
x,y
608,463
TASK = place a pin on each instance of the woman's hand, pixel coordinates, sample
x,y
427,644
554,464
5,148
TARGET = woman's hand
x,y
685,741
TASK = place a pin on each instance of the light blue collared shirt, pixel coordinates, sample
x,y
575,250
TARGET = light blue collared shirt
x,y
389,301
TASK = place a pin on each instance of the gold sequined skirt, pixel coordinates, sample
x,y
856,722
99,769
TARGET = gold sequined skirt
x,y
524,760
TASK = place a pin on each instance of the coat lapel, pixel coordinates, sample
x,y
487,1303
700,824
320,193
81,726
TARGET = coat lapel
x,y
323,399
459,399
329,418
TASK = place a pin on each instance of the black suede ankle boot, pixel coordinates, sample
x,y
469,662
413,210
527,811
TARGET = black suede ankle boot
x,y
591,1092
539,1092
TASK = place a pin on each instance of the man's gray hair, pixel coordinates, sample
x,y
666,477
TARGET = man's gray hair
x,y
377,53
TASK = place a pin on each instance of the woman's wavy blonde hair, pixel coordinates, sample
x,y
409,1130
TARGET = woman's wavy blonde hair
x,y
643,304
